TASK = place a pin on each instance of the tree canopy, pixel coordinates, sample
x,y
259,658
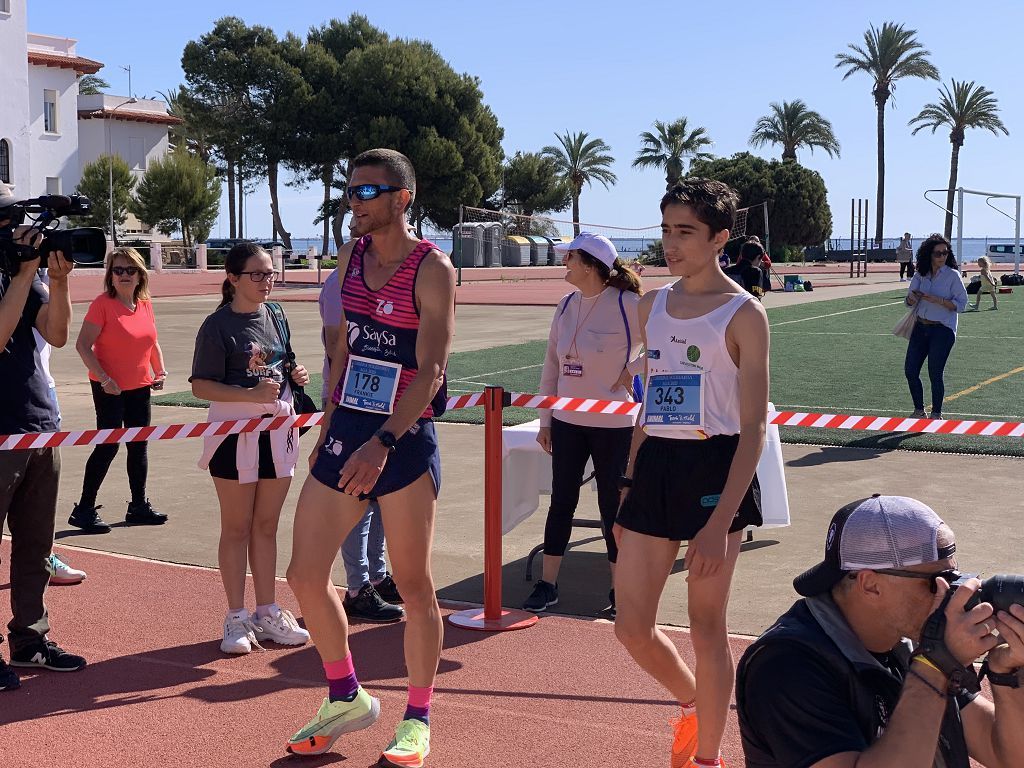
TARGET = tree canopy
x,y
95,184
668,146
179,193
793,125
798,208
532,184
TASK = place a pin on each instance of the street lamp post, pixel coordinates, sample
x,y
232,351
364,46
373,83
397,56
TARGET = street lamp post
x,y
110,171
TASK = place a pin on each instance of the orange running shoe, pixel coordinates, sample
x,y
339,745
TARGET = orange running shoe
x,y
684,745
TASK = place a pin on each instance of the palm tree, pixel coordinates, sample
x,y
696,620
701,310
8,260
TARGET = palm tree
x,y
966,106
90,85
889,54
579,162
793,125
669,145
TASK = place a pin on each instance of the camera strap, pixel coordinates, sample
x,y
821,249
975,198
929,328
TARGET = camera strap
x,y
933,647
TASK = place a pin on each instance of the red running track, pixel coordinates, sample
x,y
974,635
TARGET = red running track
x,y
158,691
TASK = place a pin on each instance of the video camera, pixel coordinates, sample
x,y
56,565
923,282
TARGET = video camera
x,y
82,245
1001,591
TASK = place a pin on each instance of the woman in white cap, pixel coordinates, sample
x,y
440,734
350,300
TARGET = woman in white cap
x,y
593,352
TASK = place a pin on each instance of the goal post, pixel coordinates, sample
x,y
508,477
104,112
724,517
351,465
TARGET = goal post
x,y
989,197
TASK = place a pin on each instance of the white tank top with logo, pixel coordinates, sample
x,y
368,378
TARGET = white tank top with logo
x,y
692,382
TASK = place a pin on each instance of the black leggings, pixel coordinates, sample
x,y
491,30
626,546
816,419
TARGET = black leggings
x,y
128,409
571,446
906,268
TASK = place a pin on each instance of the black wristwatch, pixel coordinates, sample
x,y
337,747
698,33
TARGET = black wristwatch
x,y
386,439
1009,679
625,482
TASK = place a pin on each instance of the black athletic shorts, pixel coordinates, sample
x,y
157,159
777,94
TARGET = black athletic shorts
x,y
677,484
224,463
416,452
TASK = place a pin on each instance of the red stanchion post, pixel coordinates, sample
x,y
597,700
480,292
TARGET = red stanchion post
x,y
493,618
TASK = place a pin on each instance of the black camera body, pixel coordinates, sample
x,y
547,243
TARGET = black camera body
x,y
1002,591
82,245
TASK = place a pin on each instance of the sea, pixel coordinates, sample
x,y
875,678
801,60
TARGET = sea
x,y
630,248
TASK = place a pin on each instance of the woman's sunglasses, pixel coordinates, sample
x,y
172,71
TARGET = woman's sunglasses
x,y
119,271
370,191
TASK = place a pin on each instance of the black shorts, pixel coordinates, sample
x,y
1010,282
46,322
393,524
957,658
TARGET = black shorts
x,y
224,464
416,452
677,484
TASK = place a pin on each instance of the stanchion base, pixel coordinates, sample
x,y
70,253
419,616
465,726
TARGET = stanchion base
x,y
508,621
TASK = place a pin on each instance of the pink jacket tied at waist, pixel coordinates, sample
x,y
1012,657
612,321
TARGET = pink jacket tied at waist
x,y
284,443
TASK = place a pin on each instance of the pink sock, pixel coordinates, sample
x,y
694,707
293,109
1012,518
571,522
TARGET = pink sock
x,y
689,708
713,763
418,707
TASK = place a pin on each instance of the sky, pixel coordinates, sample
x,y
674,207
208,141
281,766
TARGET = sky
x,y
612,68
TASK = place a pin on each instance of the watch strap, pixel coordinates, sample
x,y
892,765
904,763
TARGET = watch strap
x,y
1013,679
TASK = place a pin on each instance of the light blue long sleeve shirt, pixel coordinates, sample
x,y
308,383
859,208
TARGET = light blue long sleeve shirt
x,y
944,284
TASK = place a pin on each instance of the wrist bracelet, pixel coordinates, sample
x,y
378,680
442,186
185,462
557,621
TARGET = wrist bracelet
x,y
922,678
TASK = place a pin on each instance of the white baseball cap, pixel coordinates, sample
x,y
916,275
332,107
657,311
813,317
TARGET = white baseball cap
x,y
598,246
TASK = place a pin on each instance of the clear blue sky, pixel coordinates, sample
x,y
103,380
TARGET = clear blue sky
x,y
612,68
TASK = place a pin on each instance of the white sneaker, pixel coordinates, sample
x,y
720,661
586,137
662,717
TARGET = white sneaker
x,y
281,627
61,573
239,636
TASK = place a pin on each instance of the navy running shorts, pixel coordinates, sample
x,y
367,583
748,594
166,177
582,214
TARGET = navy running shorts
x,y
677,484
415,452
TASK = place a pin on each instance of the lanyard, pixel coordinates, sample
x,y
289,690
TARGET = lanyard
x,y
573,353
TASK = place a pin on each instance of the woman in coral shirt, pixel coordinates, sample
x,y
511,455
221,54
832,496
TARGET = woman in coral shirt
x,y
118,345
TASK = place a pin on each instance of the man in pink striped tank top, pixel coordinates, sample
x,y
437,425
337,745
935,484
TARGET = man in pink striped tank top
x,y
378,442
691,470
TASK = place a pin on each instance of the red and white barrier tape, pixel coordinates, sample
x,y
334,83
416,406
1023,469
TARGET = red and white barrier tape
x,y
781,418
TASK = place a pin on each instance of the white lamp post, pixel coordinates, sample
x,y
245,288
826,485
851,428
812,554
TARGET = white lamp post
x,y
110,170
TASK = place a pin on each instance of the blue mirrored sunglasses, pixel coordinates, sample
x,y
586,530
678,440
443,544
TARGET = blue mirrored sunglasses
x,y
370,191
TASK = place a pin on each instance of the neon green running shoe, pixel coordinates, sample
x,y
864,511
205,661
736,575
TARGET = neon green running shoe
x,y
410,745
332,720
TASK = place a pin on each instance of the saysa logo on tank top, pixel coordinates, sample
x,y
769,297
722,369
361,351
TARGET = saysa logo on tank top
x,y
374,339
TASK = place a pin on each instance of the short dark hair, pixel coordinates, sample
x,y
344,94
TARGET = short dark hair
x,y
713,202
398,167
924,254
750,251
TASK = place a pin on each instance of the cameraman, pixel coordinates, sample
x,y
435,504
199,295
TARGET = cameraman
x,y
875,666
29,478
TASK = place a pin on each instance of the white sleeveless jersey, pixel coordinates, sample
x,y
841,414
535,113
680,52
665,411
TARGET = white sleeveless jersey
x,y
694,346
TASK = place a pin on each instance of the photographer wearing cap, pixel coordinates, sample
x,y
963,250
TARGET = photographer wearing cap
x,y
29,478
875,666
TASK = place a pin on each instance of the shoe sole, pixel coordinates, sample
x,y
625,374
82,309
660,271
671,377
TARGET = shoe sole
x,y
385,760
144,522
350,727
88,529
58,582
240,652
32,665
284,642
541,610
364,620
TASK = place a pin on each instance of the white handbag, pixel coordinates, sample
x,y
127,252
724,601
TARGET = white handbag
x,y
905,327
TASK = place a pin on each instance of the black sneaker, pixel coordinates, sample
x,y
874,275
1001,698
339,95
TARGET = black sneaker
x,y
611,601
48,655
369,606
142,513
388,590
9,679
544,595
88,519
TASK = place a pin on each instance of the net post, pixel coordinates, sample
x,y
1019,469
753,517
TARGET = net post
x,y
1016,237
493,618
851,237
960,224
867,220
458,234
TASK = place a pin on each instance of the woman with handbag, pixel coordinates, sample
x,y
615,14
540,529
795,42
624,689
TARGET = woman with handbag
x,y
937,293
243,366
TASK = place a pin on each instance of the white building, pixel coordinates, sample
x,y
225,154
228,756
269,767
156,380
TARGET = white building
x,y
48,133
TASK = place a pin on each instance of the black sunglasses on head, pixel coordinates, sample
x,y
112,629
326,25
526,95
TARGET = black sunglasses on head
x,y
370,191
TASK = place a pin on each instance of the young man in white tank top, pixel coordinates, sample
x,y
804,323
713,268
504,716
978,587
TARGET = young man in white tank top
x,y
691,470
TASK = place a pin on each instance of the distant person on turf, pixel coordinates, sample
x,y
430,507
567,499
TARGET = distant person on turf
x,y
593,353
366,572
378,442
691,471
240,366
937,290
989,284
905,257
744,272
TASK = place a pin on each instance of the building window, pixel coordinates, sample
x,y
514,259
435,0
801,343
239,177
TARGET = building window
x,y
50,111
136,154
5,6
53,185
5,157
